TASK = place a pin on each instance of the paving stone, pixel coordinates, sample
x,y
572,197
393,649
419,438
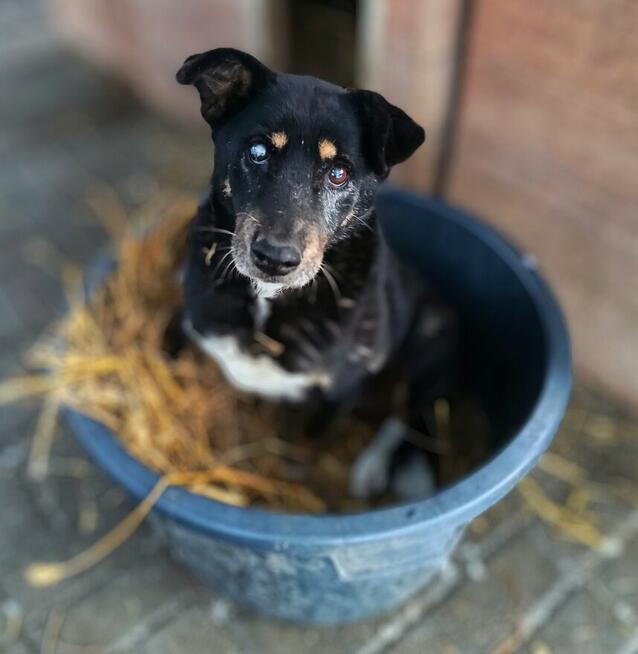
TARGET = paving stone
x,y
9,315
500,523
18,206
26,12
600,436
11,624
583,625
16,514
109,155
483,613
618,578
195,631
28,533
13,225
19,43
19,648
565,552
39,602
606,462
34,302
105,616
13,455
271,637
72,487
77,242
51,167
46,76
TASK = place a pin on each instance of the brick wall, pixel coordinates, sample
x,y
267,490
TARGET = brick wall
x,y
548,152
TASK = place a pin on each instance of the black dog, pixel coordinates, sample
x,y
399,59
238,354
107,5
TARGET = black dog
x,y
289,283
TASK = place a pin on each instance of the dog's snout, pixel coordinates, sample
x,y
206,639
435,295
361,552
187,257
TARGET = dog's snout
x,y
275,259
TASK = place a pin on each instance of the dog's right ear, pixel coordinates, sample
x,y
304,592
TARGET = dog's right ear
x,y
225,79
389,134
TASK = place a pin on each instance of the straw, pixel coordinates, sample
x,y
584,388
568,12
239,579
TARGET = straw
x,y
573,524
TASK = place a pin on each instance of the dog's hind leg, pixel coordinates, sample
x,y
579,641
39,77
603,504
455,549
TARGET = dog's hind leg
x,y
390,463
401,459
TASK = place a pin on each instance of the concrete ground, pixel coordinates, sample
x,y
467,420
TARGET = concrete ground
x,y
518,583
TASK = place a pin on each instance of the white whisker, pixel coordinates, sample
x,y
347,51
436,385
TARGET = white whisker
x,y
313,290
361,220
228,271
221,261
332,281
245,214
334,273
214,229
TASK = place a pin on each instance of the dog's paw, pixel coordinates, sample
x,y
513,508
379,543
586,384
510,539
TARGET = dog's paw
x,y
391,464
412,477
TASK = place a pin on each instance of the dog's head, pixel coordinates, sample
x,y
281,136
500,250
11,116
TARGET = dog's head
x,y
297,160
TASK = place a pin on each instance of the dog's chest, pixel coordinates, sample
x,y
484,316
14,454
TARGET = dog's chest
x,y
256,371
287,346
307,356
258,374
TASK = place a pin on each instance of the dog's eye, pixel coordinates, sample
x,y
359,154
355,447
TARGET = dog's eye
x,y
258,152
338,175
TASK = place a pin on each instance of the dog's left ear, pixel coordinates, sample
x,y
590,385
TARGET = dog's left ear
x,y
225,79
390,136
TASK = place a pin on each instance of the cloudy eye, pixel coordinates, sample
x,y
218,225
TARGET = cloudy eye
x,y
258,152
338,175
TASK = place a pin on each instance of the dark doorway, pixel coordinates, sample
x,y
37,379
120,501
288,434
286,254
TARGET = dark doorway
x,y
322,39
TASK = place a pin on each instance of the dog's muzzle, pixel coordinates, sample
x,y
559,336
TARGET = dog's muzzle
x,y
273,258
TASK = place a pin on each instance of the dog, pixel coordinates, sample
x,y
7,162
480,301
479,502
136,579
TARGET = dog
x,y
289,283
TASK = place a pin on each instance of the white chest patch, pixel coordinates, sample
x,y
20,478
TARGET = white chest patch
x,y
262,311
259,375
267,289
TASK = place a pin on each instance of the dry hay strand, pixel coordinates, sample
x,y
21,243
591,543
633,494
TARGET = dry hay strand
x,y
572,523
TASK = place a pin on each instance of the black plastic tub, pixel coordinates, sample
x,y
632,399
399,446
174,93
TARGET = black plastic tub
x,y
340,568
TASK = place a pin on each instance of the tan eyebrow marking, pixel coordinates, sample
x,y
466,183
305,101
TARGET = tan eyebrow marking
x,y
279,139
327,149
226,189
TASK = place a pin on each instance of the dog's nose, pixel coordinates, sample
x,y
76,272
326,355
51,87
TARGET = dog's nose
x,y
275,259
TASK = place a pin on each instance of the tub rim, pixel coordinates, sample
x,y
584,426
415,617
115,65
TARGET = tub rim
x,y
453,507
